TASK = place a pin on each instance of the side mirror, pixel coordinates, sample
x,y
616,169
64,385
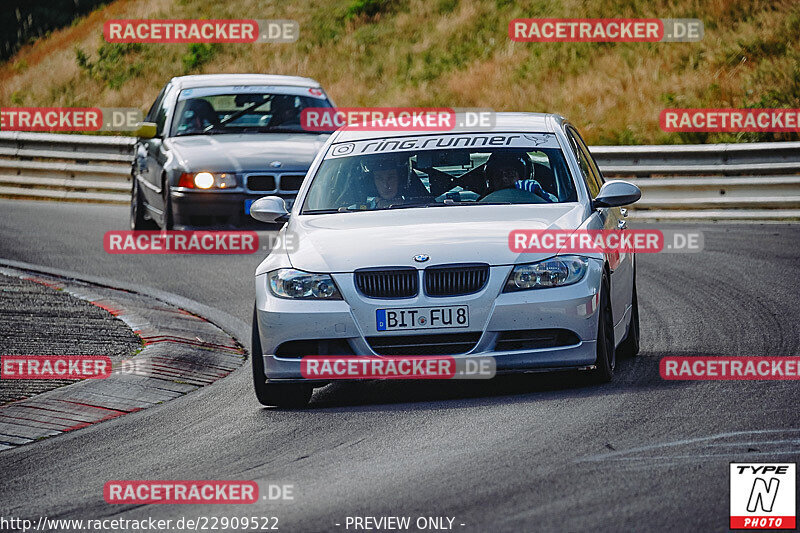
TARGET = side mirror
x,y
616,194
269,209
146,130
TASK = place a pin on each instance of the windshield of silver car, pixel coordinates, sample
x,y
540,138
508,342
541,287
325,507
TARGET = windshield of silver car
x,y
441,170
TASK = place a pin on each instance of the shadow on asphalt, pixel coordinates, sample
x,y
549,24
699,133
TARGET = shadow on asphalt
x,y
396,395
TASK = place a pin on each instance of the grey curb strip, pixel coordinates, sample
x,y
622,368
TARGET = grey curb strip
x,y
185,349
229,324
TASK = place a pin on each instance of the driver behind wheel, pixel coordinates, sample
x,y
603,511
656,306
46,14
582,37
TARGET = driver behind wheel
x,y
284,111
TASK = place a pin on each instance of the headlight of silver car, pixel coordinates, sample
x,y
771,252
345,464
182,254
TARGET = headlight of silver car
x,y
296,284
553,272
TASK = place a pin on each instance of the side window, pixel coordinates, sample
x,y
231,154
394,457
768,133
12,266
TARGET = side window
x,y
161,113
583,158
151,115
592,164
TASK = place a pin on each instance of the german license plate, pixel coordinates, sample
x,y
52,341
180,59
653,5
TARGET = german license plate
x,y
454,316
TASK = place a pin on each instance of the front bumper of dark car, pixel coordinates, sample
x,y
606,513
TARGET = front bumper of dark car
x,y
214,210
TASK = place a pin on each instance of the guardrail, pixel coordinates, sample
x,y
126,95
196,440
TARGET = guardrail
x,y
65,167
751,181
722,181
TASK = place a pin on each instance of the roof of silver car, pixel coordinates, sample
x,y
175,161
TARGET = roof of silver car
x,y
504,122
211,80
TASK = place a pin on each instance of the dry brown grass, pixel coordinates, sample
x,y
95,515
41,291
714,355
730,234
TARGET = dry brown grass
x,y
457,53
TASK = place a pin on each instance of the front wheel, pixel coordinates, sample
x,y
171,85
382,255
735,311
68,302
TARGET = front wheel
x,y
630,346
168,223
138,221
275,394
606,354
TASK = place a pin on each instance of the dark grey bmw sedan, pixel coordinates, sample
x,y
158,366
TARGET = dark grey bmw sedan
x,y
212,144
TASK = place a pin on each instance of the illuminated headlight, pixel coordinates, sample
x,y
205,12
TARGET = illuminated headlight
x,y
204,180
207,180
291,283
553,272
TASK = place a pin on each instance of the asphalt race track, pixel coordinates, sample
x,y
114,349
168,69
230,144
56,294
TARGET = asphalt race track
x,y
515,454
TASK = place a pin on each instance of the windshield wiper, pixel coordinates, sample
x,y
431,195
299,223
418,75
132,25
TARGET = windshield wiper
x,y
352,209
332,210
443,204
214,131
288,129
200,132
406,206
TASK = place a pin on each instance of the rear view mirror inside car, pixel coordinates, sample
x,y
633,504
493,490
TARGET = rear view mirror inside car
x,y
443,158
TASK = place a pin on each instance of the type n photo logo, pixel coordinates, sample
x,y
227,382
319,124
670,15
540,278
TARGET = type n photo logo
x,y
763,495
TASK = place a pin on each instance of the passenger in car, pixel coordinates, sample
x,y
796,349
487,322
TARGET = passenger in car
x,y
197,114
510,171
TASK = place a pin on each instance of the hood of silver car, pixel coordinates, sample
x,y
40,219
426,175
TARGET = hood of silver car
x,y
343,242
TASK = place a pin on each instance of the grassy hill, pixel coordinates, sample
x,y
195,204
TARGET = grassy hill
x,y
446,53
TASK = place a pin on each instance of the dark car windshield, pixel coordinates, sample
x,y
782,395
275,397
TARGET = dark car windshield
x,y
467,169
217,110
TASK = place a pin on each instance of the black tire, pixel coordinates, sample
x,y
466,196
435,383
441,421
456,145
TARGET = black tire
x,y
296,395
629,347
138,221
168,222
606,354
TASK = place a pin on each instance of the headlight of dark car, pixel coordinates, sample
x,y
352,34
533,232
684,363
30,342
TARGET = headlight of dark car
x,y
207,180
